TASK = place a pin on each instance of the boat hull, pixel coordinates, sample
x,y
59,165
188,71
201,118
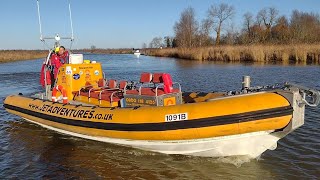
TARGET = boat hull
x,y
222,117
251,145
137,54
229,126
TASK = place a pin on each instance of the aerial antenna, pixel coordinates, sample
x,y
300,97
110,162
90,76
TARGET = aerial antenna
x,y
57,38
71,24
72,37
39,17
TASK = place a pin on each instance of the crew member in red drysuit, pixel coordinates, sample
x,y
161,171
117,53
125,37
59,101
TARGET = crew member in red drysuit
x,y
58,59
63,55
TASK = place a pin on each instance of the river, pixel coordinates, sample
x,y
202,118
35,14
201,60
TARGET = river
x,y
28,151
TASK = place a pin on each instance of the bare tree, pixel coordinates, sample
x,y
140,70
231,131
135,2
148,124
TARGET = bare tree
x,y
268,17
248,22
204,33
231,36
301,27
174,42
150,45
93,48
167,41
280,31
218,15
305,27
144,45
156,42
265,20
186,28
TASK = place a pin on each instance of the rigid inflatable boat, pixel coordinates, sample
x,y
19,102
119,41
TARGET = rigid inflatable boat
x,y
154,114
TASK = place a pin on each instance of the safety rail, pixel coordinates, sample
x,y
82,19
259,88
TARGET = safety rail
x,y
312,94
113,90
162,85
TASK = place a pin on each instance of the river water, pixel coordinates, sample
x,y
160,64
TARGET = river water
x,y
28,151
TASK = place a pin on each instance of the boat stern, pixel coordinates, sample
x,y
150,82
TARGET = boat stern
x,y
299,97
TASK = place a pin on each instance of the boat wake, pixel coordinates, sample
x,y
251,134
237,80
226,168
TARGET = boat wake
x,y
235,160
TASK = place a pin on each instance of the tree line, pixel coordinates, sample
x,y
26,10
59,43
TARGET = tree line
x,y
265,27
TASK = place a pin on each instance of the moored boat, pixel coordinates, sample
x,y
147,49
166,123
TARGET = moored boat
x,y
137,53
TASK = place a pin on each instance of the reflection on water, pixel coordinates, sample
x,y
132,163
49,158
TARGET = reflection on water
x,y
29,151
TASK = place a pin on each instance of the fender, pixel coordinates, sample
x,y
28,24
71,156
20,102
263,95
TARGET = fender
x,y
167,82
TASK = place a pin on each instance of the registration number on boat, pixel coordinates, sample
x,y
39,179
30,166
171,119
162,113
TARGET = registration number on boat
x,y
176,117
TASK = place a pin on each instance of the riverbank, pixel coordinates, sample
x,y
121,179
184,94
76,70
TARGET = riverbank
x,y
18,55
303,53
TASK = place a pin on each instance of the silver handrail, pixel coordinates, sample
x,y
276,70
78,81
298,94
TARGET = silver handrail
x,y
307,92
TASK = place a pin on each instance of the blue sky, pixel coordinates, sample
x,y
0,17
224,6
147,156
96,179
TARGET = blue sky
x,y
118,23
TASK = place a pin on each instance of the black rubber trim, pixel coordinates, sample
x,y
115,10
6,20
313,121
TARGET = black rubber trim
x,y
163,126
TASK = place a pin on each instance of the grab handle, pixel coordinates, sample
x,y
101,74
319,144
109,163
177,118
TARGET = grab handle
x,y
312,93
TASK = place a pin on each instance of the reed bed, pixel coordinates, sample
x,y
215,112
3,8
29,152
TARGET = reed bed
x,y
303,53
16,55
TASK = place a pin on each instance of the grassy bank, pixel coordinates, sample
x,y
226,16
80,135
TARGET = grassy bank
x,y
303,53
17,55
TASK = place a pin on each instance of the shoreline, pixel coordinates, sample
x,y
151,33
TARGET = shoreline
x,y
301,53
21,55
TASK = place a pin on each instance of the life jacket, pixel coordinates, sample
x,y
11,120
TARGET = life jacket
x,y
56,63
64,58
43,77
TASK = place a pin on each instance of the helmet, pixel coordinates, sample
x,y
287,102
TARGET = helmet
x,y
57,49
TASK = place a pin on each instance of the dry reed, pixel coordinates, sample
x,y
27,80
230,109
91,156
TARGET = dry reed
x,y
303,53
16,55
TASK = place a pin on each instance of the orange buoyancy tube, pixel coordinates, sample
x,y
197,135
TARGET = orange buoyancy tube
x,y
61,89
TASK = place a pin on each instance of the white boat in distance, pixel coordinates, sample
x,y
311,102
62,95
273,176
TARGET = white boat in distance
x,y
137,53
